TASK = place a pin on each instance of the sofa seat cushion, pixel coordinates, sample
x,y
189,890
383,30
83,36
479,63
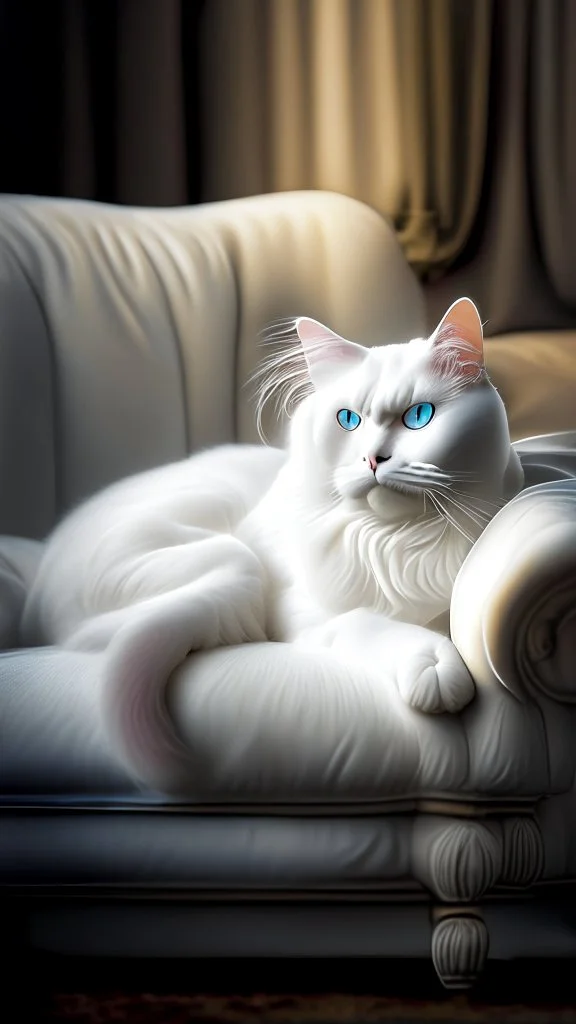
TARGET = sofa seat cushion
x,y
276,742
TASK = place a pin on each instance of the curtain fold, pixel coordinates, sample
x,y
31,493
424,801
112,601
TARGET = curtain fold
x,y
553,149
456,119
383,100
124,127
101,99
518,261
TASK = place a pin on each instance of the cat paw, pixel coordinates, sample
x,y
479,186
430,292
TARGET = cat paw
x,y
434,679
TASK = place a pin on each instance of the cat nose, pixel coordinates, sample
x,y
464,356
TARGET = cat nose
x,y
375,460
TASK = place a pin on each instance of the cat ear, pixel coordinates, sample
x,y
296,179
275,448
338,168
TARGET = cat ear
x,y
327,354
459,334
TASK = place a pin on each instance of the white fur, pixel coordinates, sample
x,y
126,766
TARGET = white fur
x,y
311,545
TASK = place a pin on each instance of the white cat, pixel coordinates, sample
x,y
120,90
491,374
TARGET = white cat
x,y
397,458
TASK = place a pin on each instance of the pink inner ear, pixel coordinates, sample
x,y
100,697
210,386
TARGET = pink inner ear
x,y
322,346
311,330
455,354
458,340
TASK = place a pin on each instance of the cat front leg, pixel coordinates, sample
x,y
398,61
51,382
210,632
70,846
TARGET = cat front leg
x,y
425,666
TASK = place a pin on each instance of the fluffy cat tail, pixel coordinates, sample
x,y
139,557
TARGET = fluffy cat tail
x,y
137,723
225,607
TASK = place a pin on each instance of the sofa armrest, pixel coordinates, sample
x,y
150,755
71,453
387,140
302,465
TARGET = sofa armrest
x,y
513,614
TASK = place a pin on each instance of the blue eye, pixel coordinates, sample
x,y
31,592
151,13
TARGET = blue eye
x,y
348,420
418,415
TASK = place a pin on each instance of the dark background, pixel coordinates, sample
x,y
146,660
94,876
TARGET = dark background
x,y
117,101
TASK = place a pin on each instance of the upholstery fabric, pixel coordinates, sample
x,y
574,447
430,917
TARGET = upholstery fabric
x,y
220,852
154,848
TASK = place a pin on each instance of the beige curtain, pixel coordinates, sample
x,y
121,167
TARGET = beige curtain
x,y
383,100
519,264
553,73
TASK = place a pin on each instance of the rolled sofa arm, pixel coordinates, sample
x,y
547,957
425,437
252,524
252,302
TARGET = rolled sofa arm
x,y
513,612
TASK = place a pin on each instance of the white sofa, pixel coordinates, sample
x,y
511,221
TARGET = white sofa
x,y
330,827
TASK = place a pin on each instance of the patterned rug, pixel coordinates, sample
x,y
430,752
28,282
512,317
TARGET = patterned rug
x,y
319,992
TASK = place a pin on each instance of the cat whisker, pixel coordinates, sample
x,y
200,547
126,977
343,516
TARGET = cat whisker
x,y
468,500
477,516
463,478
441,511
450,518
425,474
429,470
439,515
442,497
488,506
497,504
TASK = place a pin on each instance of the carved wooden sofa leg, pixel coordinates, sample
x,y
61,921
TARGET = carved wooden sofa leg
x,y
460,859
522,852
459,945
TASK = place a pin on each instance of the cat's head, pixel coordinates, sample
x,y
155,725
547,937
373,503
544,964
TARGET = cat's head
x,y
415,418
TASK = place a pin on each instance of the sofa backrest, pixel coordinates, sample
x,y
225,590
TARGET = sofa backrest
x,y
535,374
127,335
